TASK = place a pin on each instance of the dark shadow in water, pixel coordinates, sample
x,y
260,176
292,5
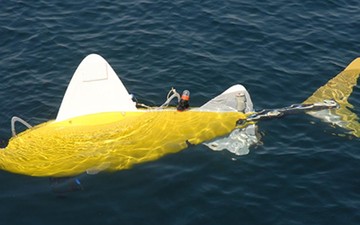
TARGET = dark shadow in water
x,y
62,186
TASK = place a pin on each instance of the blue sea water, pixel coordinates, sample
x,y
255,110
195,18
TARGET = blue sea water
x,y
281,51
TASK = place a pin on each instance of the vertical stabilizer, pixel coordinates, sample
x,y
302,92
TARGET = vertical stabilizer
x,y
94,88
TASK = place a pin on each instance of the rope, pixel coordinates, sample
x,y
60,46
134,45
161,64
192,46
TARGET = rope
x,y
170,97
17,119
293,109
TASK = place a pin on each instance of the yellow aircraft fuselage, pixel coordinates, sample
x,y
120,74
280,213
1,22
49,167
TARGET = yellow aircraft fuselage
x,y
110,141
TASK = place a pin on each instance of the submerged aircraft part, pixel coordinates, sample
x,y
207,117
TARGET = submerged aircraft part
x,y
110,133
339,89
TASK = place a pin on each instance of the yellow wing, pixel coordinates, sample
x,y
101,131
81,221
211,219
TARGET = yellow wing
x,y
340,88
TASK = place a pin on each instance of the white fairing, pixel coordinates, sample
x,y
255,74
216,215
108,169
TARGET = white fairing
x,y
229,100
235,98
94,88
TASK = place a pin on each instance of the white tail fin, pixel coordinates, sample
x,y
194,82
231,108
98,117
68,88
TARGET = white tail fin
x,y
94,88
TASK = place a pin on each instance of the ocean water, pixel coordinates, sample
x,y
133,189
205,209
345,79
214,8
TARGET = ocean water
x,y
281,51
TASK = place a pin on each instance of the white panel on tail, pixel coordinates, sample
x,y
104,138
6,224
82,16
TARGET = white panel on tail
x,y
94,88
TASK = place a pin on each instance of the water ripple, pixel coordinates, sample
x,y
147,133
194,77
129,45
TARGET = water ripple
x,y
281,51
